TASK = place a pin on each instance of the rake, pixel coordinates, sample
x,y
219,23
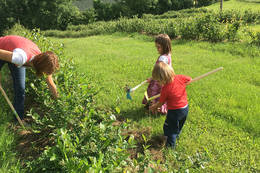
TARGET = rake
x,y
193,80
129,90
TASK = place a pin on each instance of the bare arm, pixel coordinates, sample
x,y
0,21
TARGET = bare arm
x,y
52,86
6,55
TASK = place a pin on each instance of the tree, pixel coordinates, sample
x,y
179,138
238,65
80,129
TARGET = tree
x,y
44,14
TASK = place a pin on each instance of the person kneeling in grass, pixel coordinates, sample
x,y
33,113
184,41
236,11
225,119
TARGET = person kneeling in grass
x,y
19,52
174,94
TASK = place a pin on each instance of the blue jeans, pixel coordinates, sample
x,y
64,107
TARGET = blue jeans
x,y
173,124
18,75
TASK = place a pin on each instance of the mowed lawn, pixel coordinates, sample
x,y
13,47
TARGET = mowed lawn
x,y
242,5
222,131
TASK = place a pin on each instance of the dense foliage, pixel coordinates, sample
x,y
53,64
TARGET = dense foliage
x,y
58,14
45,14
79,137
198,24
130,8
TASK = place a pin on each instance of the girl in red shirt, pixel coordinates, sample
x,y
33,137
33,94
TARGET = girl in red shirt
x,y
174,94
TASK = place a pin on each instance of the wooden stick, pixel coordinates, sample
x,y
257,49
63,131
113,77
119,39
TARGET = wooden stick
x,y
11,106
193,80
204,75
154,97
137,86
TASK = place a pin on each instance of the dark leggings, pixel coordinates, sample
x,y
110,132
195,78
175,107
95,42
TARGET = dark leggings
x,y
173,124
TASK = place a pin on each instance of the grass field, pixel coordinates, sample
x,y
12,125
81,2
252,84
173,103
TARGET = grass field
x,y
241,5
222,131
8,160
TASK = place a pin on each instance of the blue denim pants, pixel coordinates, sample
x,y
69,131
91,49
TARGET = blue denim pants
x,y
18,75
173,124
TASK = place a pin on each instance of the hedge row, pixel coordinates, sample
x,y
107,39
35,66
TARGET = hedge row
x,y
227,16
202,27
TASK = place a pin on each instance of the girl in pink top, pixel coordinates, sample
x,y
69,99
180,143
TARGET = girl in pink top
x,y
163,45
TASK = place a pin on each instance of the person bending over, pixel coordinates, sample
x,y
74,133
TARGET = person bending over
x,y
19,52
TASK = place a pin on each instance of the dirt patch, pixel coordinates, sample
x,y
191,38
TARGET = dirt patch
x,y
30,145
156,143
138,133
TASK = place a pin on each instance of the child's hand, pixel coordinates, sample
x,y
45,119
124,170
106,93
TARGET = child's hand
x,y
153,107
149,80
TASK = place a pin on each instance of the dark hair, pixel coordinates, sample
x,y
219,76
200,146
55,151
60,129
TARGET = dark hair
x,y
45,63
165,41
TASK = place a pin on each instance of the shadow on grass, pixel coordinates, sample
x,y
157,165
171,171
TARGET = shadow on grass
x,y
180,42
136,114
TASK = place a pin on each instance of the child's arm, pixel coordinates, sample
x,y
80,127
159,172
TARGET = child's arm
x,y
155,106
52,86
149,80
189,81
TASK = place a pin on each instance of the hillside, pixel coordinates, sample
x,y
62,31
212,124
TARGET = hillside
x,y
241,5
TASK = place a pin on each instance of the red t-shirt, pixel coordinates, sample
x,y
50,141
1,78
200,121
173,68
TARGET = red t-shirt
x,y
174,93
12,42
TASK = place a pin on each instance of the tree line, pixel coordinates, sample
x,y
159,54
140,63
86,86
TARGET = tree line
x,y
58,14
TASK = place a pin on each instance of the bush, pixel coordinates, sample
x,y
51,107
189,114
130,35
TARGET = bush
x,y
79,137
255,37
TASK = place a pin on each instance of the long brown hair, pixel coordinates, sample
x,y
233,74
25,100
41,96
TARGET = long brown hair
x,y
165,41
45,63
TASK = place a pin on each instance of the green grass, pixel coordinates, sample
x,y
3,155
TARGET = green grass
x,y
242,5
8,160
255,28
223,127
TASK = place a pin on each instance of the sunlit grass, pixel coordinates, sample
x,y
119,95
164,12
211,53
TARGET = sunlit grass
x,y
223,126
241,5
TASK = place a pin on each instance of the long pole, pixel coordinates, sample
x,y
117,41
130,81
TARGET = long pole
x,y
11,106
193,80
221,5
137,86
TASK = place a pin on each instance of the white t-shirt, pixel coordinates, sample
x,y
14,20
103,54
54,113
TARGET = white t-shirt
x,y
19,57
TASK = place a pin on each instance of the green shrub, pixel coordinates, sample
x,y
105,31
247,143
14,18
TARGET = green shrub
x,y
83,138
255,37
187,29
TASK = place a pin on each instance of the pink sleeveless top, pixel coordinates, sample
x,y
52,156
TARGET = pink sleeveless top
x,y
12,42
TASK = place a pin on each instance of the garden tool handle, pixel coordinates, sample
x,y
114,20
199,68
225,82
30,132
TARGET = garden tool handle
x,y
11,106
204,75
137,86
193,80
